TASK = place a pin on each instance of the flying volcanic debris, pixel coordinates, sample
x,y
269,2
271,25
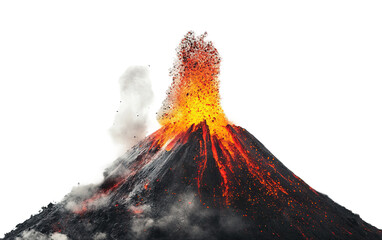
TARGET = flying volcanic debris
x,y
198,177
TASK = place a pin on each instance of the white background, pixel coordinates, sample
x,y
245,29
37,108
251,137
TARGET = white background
x,y
304,77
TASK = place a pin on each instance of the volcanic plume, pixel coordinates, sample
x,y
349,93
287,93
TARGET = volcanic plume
x,y
198,177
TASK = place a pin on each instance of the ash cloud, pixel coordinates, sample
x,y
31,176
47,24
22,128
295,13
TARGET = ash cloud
x,y
132,119
78,194
130,126
75,201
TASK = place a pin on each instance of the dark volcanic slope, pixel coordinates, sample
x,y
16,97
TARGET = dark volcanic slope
x,y
199,187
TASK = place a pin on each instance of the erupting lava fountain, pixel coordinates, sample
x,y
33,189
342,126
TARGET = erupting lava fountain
x,y
197,177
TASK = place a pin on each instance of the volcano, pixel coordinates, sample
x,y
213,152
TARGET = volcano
x,y
198,177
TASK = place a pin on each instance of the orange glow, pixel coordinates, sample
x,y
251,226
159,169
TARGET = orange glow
x,y
193,101
193,105
136,210
102,193
194,96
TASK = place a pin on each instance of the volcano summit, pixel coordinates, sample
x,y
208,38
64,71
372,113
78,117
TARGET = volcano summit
x,y
197,177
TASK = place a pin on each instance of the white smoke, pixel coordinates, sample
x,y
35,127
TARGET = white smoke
x,y
75,201
58,236
184,216
35,235
99,236
131,120
78,194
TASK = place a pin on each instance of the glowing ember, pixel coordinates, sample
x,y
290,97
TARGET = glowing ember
x,y
194,94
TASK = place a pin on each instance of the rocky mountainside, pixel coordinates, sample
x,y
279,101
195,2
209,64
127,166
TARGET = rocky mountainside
x,y
197,186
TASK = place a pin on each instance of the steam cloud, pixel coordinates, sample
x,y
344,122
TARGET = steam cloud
x,y
35,235
99,236
130,126
185,218
131,121
78,194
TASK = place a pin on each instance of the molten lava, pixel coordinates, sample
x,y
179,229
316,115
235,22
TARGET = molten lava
x,y
193,96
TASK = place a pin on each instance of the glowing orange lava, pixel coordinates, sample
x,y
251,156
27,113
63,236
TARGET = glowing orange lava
x,y
193,105
193,100
194,96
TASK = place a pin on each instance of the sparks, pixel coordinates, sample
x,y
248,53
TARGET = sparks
x,y
194,96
